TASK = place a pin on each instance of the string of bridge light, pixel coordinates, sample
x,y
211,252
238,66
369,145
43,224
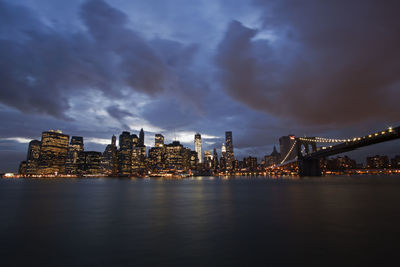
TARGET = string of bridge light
x,y
333,140
290,151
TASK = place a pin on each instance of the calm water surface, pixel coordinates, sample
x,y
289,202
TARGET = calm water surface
x,y
351,221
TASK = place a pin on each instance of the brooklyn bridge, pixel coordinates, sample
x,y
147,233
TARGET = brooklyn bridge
x,y
308,155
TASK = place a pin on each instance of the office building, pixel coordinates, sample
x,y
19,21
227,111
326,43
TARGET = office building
x,y
75,157
141,137
378,162
109,159
32,159
53,153
125,154
159,140
92,162
197,146
229,155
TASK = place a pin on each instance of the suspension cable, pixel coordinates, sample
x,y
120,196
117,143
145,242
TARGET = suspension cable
x,y
290,151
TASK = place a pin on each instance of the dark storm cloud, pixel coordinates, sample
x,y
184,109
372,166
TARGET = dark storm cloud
x,y
329,62
42,66
118,113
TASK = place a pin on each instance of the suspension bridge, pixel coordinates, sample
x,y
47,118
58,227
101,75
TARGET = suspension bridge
x,y
308,155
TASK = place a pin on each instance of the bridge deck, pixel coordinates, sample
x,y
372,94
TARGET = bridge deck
x,y
383,136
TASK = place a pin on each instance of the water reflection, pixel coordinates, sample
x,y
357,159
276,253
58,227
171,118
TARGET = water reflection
x,y
199,221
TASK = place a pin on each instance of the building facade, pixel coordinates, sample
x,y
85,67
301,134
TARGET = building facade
x,y
53,153
197,147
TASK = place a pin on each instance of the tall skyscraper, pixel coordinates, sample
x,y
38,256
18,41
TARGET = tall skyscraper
x,y
230,157
109,159
141,137
159,140
197,146
75,156
32,159
125,154
53,152
286,144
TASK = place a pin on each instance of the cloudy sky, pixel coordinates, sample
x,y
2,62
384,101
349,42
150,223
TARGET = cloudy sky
x,y
261,69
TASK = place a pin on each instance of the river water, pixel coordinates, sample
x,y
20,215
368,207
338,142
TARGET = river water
x,y
243,221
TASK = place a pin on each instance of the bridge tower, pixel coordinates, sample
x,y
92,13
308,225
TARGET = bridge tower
x,y
308,166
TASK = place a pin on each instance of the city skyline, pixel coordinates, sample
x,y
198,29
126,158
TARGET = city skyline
x,y
261,69
56,154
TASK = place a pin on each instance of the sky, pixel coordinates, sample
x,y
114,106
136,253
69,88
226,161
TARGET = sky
x,y
261,69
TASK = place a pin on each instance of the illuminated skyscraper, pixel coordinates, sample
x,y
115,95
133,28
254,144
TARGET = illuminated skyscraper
x,y
125,154
53,152
109,160
75,157
32,159
92,162
223,150
174,155
138,159
230,157
159,140
197,146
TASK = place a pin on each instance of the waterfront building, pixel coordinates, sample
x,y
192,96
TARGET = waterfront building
x,y
125,153
396,162
197,146
22,168
250,163
272,159
157,157
75,157
378,162
230,157
287,143
109,159
340,164
138,159
92,162
53,153
174,157
32,158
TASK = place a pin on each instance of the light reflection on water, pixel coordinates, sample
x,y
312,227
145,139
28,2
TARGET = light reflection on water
x,y
199,221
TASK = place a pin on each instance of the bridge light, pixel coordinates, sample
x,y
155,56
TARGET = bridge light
x,y
383,132
390,129
370,135
376,134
